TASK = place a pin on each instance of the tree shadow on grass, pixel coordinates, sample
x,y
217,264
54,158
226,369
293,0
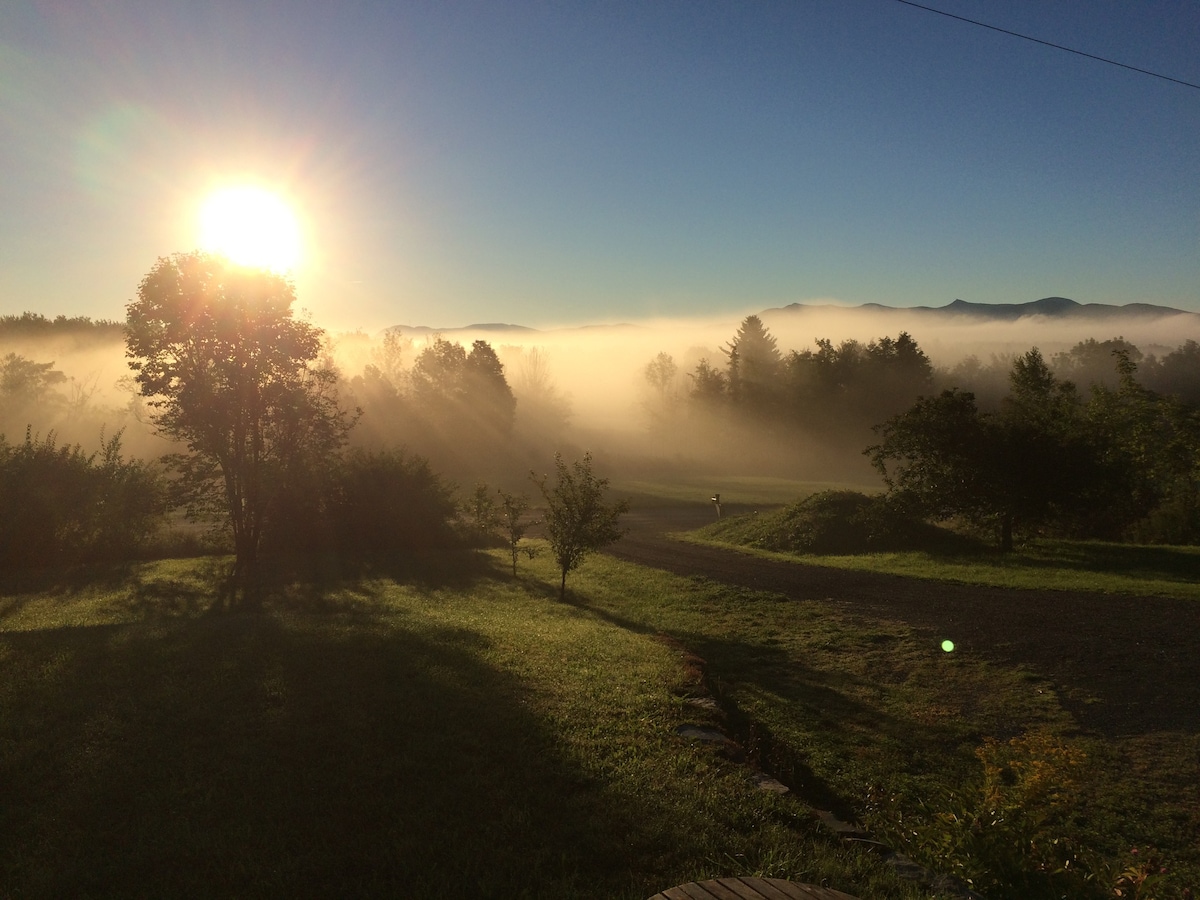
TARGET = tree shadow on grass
x,y
312,578
69,580
253,755
1167,563
824,702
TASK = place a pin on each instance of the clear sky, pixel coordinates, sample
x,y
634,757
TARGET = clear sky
x,y
547,163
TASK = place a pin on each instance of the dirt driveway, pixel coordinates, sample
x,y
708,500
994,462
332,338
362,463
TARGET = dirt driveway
x,y
1135,660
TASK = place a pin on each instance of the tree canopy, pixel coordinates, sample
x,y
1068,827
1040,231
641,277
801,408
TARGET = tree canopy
x,y
229,371
1123,463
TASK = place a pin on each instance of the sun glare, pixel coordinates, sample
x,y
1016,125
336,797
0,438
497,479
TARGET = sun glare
x,y
252,227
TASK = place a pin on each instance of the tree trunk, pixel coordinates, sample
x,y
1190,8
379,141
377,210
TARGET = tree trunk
x,y
562,588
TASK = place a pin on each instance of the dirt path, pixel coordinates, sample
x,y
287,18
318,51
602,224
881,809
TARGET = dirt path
x,y
1136,660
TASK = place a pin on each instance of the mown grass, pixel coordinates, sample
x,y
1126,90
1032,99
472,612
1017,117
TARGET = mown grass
x,y
1041,564
454,734
973,768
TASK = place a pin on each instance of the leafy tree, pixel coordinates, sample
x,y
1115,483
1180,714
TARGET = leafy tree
x,y
1093,362
854,385
437,374
660,374
30,381
1152,447
577,521
487,389
481,512
989,381
1033,462
453,385
1036,396
388,358
513,525
1177,374
661,408
29,392
227,370
930,455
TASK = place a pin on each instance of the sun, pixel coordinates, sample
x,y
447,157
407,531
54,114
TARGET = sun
x,y
251,226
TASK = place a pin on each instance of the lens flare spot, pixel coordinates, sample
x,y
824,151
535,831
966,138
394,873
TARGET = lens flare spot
x,y
948,646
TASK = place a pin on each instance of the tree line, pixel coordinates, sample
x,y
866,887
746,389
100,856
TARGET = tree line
x,y
756,395
35,325
1118,459
1121,463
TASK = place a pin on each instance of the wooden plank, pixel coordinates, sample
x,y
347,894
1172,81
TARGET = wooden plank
x,y
728,889
775,889
750,889
690,891
778,889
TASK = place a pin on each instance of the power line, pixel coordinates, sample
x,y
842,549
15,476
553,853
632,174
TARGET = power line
x,y
1025,37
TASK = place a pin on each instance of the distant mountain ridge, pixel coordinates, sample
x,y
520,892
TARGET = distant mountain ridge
x,y
1047,307
1059,309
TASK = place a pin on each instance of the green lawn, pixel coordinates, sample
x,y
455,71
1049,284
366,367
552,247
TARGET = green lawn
x,y
462,734
1040,565
445,737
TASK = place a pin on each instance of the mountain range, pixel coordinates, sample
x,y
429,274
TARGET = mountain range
x,y
1058,309
1047,308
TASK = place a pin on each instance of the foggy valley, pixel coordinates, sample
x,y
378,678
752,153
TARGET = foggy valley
x,y
586,388
600,451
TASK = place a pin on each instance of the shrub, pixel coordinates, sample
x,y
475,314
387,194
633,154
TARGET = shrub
x,y
388,503
1176,520
62,506
1014,832
845,522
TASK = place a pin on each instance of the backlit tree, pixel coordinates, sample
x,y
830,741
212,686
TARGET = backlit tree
x,y
228,371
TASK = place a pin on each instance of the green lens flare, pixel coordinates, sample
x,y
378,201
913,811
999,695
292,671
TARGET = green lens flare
x,y
948,646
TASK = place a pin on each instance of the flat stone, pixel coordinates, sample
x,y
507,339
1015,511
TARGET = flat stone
x,y
765,782
697,733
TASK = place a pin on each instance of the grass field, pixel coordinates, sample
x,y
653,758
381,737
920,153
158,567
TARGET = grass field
x,y
439,738
1041,564
458,733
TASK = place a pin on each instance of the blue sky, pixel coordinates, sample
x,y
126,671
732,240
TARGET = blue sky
x,y
549,163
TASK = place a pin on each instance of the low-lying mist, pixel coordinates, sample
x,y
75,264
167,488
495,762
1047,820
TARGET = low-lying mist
x,y
576,388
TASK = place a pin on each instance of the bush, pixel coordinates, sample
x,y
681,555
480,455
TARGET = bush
x,y
388,503
361,506
62,506
846,522
1013,832
1176,520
